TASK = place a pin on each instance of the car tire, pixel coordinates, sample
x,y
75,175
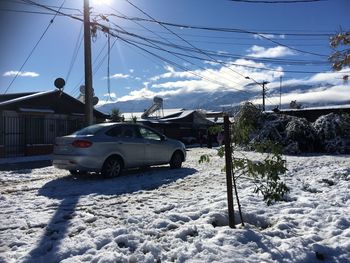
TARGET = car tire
x,y
176,160
112,167
76,172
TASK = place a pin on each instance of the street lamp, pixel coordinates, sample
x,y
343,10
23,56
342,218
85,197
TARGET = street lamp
x,y
262,84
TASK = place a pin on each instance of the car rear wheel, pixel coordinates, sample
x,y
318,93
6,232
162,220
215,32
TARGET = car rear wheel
x,y
76,172
112,167
176,160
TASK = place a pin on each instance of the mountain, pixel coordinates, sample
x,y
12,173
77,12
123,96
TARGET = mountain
x,y
196,100
216,101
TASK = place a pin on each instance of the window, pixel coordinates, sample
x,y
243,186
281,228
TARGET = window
x,y
129,132
115,131
90,130
148,134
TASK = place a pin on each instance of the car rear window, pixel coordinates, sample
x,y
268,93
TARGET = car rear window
x,y
122,131
115,131
90,130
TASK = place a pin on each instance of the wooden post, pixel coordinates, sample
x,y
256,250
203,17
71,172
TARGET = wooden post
x,y
228,160
88,67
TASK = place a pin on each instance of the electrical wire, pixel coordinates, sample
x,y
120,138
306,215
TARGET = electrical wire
x,y
260,34
108,66
227,54
223,29
276,1
184,39
183,67
33,49
173,53
75,52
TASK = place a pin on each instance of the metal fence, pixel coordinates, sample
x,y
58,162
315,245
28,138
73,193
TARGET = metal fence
x,y
20,132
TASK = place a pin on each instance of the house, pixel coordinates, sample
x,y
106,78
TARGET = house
x,y
30,122
183,125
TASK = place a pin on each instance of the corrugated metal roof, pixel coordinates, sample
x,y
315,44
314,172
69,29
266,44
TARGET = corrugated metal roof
x,y
26,97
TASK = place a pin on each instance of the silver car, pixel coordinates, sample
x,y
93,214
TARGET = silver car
x,y
110,147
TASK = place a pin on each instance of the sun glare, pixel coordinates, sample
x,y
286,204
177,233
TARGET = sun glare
x,y
101,2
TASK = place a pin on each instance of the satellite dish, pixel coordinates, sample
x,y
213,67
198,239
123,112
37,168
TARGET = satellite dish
x,y
59,83
95,100
82,89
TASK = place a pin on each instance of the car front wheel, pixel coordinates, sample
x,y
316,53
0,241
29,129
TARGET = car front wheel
x,y
112,167
176,160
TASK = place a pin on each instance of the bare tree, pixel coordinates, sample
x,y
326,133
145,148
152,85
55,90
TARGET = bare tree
x,y
340,58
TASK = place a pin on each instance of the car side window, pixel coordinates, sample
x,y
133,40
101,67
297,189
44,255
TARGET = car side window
x,y
115,132
128,132
148,134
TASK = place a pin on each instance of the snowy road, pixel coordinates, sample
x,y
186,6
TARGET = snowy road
x,y
163,215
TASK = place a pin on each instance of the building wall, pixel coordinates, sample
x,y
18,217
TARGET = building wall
x,y
31,134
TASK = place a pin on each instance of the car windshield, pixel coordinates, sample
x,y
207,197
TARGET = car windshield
x,y
90,130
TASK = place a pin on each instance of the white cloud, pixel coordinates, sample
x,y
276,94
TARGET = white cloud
x,y
262,36
169,68
221,78
273,52
119,76
138,95
112,95
334,94
131,70
173,74
13,73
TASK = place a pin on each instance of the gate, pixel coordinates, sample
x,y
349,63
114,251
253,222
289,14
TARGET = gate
x,y
20,133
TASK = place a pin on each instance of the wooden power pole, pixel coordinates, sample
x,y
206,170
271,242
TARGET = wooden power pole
x,y
88,67
228,159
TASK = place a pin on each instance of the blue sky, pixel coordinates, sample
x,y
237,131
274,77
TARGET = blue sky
x,y
136,74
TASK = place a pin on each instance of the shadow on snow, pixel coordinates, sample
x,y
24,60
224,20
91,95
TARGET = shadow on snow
x,y
70,188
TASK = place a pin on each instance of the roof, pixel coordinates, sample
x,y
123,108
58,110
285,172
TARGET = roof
x,y
329,107
52,101
167,113
6,97
23,96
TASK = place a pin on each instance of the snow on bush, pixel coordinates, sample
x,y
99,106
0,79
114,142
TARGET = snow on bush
x,y
329,133
333,131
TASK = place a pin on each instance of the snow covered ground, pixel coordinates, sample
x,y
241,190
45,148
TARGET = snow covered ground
x,y
163,215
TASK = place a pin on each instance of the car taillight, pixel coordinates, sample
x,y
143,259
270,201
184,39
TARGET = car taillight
x,y
81,144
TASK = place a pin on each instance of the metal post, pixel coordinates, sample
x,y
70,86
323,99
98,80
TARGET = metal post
x,y
88,69
228,159
263,95
280,92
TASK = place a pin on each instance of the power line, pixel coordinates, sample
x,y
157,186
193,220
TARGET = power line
x,y
227,64
184,39
75,52
222,29
183,67
170,43
260,34
226,54
276,1
33,49
28,12
194,48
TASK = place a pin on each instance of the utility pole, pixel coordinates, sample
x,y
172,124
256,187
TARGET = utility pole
x,y
280,92
263,91
88,67
228,166
263,94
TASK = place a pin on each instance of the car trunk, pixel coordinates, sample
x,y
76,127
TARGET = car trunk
x,y
64,145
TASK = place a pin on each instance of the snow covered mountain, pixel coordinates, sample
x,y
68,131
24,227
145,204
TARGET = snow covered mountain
x,y
197,100
220,100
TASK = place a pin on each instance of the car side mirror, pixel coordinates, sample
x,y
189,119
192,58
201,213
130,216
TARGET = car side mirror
x,y
164,138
